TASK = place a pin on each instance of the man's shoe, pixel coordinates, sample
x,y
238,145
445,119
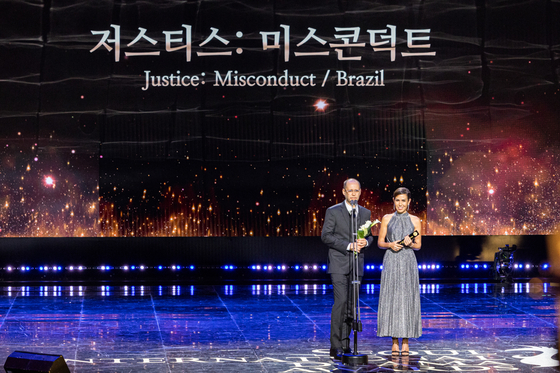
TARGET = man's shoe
x,y
336,353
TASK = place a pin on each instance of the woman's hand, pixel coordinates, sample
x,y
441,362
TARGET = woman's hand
x,y
395,246
408,241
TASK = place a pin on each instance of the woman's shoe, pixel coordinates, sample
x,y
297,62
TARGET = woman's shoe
x,y
395,352
405,350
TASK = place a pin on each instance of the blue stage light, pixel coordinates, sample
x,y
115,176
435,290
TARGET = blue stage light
x,y
40,268
265,267
368,268
279,267
191,267
437,266
476,266
467,266
296,268
133,267
253,267
178,268
381,266
545,266
27,268
419,266
160,268
462,266
59,268
485,266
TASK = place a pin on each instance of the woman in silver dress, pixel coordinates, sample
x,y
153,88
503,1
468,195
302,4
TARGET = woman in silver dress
x,y
399,298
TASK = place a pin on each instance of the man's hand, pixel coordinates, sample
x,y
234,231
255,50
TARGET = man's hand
x,y
358,245
362,242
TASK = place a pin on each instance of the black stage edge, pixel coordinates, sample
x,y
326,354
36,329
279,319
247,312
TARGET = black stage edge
x,y
243,250
209,255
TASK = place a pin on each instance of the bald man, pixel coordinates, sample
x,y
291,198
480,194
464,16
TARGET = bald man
x,y
338,236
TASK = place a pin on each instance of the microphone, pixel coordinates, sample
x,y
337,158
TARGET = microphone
x,y
412,235
354,202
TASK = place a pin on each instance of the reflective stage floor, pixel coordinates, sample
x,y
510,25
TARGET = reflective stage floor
x,y
273,328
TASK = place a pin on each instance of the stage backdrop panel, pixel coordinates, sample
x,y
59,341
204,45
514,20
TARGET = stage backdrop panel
x,y
243,118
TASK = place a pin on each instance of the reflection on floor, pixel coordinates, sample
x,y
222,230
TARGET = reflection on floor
x,y
273,328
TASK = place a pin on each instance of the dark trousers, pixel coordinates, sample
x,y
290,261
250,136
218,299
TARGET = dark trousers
x,y
342,314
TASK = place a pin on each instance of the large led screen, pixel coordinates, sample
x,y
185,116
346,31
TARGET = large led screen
x,y
243,118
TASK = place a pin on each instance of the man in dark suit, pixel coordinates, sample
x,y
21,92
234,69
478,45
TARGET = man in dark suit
x,y
338,236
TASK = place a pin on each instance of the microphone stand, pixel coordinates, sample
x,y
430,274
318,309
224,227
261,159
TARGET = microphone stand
x,y
355,358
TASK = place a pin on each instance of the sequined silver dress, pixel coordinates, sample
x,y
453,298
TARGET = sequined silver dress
x,y
399,298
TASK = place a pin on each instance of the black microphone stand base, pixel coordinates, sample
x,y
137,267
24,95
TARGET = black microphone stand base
x,y
351,359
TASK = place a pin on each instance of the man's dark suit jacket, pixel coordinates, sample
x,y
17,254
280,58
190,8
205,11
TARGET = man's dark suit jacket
x,y
336,234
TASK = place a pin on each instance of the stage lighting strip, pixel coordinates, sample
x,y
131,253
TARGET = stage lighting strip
x,y
257,289
263,268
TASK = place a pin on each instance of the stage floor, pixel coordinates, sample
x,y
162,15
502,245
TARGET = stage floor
x,y
273,328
